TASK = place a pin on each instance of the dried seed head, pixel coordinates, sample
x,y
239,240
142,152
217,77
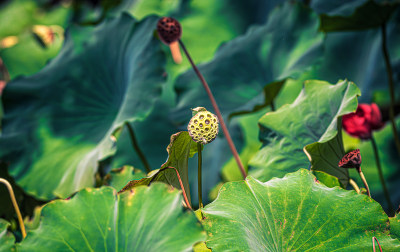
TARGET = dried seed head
x,y
169,30
351,160
203,127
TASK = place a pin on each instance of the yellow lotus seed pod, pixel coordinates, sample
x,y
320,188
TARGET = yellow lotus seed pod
x,y
203,127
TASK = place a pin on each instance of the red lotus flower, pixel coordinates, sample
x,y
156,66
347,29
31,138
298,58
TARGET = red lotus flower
x,y
361,123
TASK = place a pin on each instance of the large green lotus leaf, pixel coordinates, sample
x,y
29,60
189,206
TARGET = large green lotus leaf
x,y
180,149
294,213
7,240
367,16
58,123
395,226
287,44
146,219
311,119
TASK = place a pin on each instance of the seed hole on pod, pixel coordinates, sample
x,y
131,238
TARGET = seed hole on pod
x,y
201,131
215,120
207,121
195,121
207,129
201,125
192,127
201,117
208,115
197,129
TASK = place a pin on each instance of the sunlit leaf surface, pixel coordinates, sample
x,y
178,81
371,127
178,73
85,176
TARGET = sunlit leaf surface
x,y
395,226
311,120
146,219
294,213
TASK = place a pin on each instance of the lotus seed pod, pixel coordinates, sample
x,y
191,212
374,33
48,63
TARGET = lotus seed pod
x,y
203,127
351,160
169,30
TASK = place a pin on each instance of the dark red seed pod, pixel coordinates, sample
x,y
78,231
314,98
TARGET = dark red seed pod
x,y
351,160
169,30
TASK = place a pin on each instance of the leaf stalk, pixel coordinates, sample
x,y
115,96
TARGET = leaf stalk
x,y
182,187
15,204
199,165
364,181
373,244
354,185
136,146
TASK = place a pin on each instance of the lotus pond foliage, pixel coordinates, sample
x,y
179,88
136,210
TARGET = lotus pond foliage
x,y
186,125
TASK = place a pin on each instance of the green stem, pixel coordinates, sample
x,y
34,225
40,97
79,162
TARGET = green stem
x,y
15,204
364,181
391,87
381,177
199,175
217,111
354,185
137,148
